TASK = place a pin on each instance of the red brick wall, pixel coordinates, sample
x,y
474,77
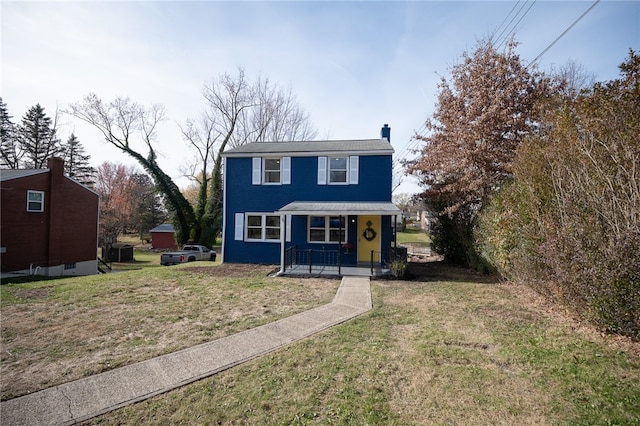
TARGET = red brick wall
x,y
65,232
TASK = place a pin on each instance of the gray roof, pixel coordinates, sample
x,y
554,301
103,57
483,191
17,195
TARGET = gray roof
x,y
312,148
340,208
8,174
165,227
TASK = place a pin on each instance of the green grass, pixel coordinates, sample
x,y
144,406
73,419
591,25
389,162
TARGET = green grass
x,y
59,330
415,237
141,259
438,352
452,348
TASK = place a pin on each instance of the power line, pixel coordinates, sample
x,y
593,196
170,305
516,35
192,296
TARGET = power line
x,y
505,20
498,42
564,32
515,26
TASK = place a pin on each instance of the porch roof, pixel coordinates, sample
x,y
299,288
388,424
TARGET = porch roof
x,y
340,208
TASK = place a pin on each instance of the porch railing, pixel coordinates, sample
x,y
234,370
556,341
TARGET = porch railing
x,y
322,257
312,257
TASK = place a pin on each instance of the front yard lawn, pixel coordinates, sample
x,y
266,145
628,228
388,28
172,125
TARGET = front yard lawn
x,y
450,347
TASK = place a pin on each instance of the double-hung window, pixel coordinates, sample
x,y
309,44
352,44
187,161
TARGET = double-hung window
x,y
338,167
327,229
338,170
271,170
35,201
263,227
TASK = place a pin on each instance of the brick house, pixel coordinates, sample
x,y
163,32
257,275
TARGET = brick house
x,y
48,223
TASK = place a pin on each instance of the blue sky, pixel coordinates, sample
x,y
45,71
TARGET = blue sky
x,y
352,65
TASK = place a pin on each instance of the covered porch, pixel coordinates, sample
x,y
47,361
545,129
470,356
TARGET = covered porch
x,y
338,238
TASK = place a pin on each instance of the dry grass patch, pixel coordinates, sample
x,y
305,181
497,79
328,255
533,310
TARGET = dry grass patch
x,y
462,351
61,330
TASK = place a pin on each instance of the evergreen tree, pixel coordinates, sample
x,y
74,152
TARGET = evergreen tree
x,y
149,210
37,138
76,162
9,148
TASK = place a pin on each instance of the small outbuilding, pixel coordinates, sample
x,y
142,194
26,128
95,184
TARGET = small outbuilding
x,y
118,253
163,237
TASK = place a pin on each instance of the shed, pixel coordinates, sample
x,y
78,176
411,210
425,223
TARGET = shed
x,y
118,253
163,237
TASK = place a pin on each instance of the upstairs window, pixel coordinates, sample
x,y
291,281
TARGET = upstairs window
x,y
35,201
338,169
327,229
271,170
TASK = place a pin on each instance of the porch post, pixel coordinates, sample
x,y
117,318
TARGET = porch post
x,y
283,236
395,231
340,245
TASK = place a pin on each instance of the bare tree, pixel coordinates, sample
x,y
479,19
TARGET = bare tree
x,y
131,128
239,111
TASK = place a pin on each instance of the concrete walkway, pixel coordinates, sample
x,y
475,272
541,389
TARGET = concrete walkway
x,y
82,399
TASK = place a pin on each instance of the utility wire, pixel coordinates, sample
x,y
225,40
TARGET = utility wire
x,y
563,33
505,20
498,42
515,26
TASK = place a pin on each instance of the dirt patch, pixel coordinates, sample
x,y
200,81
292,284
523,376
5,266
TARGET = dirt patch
x,y
33,293
232,270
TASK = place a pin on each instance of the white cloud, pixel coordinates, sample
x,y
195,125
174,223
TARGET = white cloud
x,y
353,65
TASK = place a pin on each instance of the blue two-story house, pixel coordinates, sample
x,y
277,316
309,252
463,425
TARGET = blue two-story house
x,y
310,206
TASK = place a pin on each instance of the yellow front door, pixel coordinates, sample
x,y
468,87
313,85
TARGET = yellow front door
x,y
368,237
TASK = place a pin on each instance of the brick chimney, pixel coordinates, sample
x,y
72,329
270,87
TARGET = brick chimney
x,y
55,211
56,165
385,132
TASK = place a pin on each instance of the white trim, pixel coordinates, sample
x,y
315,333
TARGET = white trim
x,y
239,227
283,220
353,169
31,191
256,171
263,175
224,208
322,170
288,228
346,170
263,227
337,208
285,173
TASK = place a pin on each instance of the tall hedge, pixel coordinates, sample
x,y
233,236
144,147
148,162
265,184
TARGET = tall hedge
x,y
569,223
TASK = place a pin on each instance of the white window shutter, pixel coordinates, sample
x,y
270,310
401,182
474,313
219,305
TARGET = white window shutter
x,y
322,170
288,228
239,226
286,170
353,169
256,172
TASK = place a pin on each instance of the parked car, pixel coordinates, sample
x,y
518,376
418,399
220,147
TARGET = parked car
x,y
189,253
